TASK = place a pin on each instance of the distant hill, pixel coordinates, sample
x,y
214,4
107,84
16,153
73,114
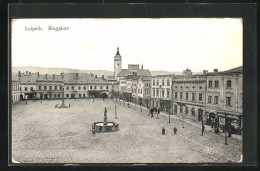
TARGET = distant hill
x,y
99,73
59,70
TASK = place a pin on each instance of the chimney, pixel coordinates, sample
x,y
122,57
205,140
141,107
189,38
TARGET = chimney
x,y
46,76
77,75
215,70
38,73
205,71
95,76
53,75
19,73
26,72
29,73
103,77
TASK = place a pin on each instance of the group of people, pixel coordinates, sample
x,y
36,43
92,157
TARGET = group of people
x,y
152,110
174,130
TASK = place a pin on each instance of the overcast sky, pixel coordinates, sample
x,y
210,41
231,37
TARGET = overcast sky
x,y
158,44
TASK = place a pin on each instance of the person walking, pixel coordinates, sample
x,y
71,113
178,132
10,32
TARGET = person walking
x,y
175,130
163,131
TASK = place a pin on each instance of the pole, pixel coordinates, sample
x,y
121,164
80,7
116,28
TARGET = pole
x,y
169,118
182,120
226,130
115,113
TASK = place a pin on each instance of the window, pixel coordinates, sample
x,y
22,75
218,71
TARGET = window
x,y
55,87
40,87
83,95
50,95
168,82
55,96
25,89
187,87
216,84
200,87
176,95
228,101
176,87
200,97
45,87
193,112
31,88
162,93
187,96
157,92
72,87
60,87
175,108
157,83
67,87
20,88
141,91
107,87
181,95
58,95
228,83
153,92
210,84
181,108
216,100
101,87
163,82
168,93
79,95
153,82
67,95
79,88
95,87
209,99
90,87
187,111
193,87
193,96
50,87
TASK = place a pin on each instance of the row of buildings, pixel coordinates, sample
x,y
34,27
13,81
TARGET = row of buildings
x,y
213,97
75,85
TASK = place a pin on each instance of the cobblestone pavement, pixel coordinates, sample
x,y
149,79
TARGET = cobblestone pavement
x,y
42,133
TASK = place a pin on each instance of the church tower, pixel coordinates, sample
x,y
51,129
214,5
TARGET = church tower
x,y
117,63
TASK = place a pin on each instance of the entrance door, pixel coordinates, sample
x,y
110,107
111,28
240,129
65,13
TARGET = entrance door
x,y
45,96
200,114
72,96
21,97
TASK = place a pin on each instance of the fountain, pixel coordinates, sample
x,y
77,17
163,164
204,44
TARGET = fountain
x,y
105,126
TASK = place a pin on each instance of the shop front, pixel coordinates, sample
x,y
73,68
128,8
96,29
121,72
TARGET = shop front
x,y
165,106
230,121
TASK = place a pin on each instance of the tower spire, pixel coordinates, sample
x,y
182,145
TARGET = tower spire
x,y
117,53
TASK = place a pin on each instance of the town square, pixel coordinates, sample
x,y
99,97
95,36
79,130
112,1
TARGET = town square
x,y
48,135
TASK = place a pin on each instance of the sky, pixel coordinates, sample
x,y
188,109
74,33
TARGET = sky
x,y
170,44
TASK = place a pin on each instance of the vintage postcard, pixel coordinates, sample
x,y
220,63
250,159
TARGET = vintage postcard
x,y
127,90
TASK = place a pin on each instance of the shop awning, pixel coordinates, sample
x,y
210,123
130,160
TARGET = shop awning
x,y
229,114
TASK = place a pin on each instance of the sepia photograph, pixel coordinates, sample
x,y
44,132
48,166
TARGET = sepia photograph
x,y
127,90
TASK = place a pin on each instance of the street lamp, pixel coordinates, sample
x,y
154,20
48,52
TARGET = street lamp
x,y
226,129
182,118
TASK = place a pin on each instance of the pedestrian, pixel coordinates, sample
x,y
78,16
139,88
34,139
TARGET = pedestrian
x,y
175,130
41,101
69,105
163,131
26,103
